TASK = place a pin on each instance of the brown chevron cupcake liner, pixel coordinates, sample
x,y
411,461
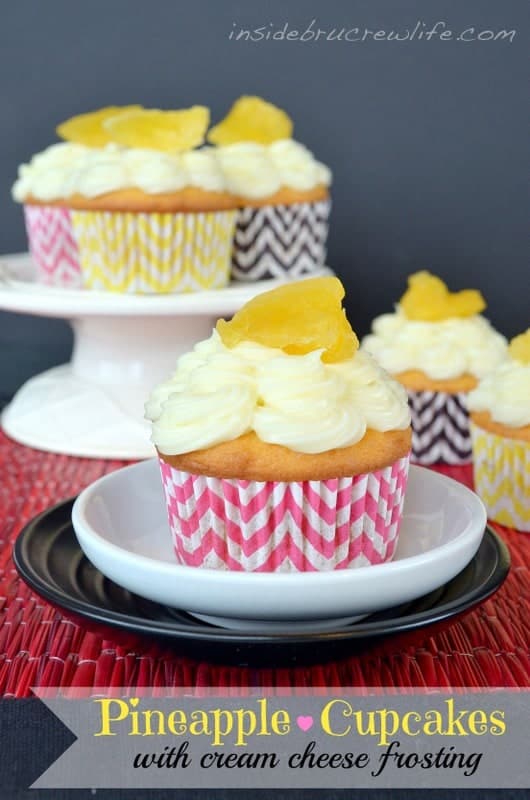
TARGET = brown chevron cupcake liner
x,y
440,428
280,241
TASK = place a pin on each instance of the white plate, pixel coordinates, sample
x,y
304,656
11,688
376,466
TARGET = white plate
x,y
120,522
20,291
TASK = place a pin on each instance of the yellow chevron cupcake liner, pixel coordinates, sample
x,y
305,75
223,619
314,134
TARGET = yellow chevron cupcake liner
x,y
502,477
154,253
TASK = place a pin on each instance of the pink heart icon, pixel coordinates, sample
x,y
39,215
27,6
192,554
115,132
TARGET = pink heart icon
x,y
304,723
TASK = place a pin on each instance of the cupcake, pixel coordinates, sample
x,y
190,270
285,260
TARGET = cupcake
x,y
283,193
281,446
129,204
500,433
437,345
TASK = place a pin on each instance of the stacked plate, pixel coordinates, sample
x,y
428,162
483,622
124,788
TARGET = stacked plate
x,y
109,559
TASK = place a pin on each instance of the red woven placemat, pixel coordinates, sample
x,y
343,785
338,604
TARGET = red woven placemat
x,y
39,647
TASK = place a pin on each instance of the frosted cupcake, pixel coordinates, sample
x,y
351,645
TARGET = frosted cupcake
x,y
282,190
127,204
438,345
500,432
281,447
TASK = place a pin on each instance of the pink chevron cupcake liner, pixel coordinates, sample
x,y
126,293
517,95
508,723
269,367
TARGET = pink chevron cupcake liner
x,y
440,428
53,245
280,241
273,526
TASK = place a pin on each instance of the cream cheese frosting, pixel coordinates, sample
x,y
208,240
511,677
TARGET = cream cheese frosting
x,y
218,394
246,169
505,394
442,350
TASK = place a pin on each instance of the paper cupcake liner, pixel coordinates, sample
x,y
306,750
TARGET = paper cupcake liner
x,y
154,253
53,245
285,527
440,428
501,468
280,241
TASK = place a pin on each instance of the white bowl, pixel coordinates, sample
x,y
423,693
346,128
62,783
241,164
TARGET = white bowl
x,y
121,525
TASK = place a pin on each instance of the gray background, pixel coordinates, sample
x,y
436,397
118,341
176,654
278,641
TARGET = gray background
x,y
426,139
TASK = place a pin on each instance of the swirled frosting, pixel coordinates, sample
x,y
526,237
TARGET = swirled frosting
x,y
254,170
442,350
217,394
505,393
246,169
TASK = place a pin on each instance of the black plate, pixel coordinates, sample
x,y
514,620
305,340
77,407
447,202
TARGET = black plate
x,y
49,559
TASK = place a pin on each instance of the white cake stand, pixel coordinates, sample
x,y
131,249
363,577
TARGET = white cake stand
x,y
123,346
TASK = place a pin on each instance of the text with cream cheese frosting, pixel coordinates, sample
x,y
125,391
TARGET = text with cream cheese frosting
x,y
441,350
218,394
246,169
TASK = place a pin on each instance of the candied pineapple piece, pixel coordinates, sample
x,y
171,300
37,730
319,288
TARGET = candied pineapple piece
x,y
159,130
88,128
252,119
519,347
428,298
296,318
466,303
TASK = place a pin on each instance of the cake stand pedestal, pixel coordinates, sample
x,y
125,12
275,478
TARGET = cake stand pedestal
x,y
123,346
